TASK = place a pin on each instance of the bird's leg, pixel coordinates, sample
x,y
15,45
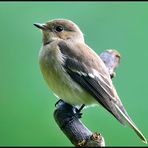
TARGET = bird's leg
x,y
78,111
72,112
82,106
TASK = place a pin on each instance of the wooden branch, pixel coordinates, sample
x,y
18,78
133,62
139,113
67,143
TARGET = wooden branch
x,y
68,119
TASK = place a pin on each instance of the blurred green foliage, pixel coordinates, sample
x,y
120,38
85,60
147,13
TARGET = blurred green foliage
x,y
27,105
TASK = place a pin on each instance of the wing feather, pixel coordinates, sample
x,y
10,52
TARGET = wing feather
x,y
80,74
99,86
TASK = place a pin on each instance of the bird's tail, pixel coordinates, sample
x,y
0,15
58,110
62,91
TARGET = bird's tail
x,y
131,123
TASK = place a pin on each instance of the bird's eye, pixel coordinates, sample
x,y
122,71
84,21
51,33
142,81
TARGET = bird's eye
x,y
59,28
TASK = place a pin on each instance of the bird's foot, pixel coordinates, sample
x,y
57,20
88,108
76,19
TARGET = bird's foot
x,y
78,111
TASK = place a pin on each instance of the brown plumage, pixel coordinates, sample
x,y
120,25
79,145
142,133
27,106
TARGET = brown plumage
x,y
75,73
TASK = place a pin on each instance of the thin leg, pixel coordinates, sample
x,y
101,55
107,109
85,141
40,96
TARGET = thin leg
x,y
80,109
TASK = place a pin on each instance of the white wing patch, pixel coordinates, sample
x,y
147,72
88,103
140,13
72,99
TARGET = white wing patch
x,y
102,78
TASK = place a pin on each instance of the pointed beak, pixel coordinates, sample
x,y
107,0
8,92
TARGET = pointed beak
x,y
40,26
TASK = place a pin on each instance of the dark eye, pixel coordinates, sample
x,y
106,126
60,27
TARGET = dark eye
x,y
59,28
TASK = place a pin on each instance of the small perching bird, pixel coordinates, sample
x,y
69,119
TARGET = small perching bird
x,y
75,73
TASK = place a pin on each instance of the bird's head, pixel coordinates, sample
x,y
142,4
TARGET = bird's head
x,y
60,29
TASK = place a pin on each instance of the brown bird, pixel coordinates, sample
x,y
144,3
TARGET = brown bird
x,y
75,73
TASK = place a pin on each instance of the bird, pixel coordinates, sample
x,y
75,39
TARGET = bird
x,y
76,73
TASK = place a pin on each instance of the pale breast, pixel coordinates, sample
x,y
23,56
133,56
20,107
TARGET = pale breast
x,y
60,83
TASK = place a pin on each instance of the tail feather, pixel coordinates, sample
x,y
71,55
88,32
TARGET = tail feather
x,y
131,124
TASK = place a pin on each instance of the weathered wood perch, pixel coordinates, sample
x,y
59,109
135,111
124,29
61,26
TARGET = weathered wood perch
x,y
68,119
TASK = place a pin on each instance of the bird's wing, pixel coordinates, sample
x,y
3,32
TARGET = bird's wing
x,y
95,84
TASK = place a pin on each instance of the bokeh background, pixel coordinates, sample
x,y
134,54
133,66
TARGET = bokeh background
x,y
27,105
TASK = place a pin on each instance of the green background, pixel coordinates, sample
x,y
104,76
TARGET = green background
x,y
27,105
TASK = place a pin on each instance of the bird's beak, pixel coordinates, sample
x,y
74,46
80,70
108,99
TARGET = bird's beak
x,y
40,26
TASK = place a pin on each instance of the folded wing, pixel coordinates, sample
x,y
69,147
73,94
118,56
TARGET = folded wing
x,y
93,80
